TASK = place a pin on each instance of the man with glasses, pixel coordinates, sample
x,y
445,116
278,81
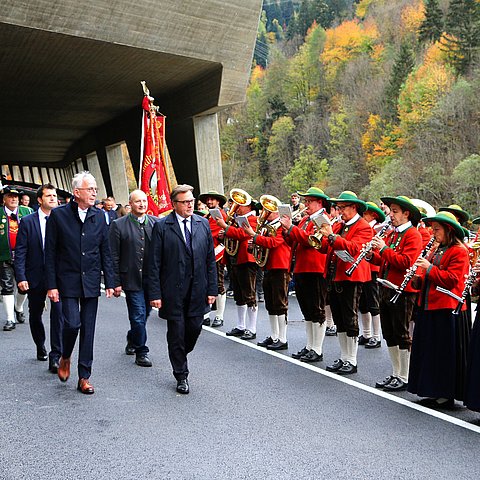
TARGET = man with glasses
x,y
183,278
339,241
77,251
310,286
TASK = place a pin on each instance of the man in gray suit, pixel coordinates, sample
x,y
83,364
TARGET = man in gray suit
x,y
183,278
129,243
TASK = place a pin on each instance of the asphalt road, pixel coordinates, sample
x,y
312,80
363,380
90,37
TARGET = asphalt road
x,y
250,414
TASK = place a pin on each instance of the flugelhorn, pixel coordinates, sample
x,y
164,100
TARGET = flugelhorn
x,y
318,218
270,204
240,198
367,249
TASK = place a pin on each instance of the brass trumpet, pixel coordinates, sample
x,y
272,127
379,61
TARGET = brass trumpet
x,y
270,204
240,198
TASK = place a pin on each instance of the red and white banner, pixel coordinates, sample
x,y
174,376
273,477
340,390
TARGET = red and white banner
x,y
153,174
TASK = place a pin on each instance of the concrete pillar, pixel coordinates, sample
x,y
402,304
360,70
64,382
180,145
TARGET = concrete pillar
x,y
45,175
94,169
27,176
16,174
207,147
36,176
118,175
79,164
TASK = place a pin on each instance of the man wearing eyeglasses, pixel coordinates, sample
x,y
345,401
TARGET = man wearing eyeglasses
x,y
76,252
183,278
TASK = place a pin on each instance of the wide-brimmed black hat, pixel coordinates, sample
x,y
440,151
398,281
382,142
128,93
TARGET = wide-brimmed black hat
x,y
406,204
11,190
214,194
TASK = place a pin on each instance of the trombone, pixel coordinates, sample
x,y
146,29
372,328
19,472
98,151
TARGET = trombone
x,y
240,198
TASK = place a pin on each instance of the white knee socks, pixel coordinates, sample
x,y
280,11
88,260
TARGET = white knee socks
x,y
318,336
252,319
9,304
309,332
241,316
366,324
282,328
274,327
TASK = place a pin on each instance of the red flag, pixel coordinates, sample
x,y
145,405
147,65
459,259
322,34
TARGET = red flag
x,y
153,175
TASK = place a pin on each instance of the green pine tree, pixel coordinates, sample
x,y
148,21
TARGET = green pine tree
x,y
463,27
432,27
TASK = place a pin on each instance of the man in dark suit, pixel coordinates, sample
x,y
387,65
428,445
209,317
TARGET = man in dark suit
x,y
183,278
30,275
76,252
130,238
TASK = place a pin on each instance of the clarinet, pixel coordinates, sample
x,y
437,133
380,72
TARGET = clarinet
x,y
367,249
468,283
411,271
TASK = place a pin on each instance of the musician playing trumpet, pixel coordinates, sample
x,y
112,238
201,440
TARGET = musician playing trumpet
x,y
269,244
310,284
346,239
439,349
396,254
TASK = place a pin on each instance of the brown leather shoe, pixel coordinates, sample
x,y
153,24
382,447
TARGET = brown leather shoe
x,y
85,386
63,370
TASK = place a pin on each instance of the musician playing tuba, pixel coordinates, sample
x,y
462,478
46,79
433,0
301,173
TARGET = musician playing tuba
x,y
396,254
310,285
271,250
244,267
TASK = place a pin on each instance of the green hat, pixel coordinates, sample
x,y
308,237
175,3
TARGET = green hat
x,y
457,210
373,207
214,194
406,204
450,219
314,192
476,221
350,197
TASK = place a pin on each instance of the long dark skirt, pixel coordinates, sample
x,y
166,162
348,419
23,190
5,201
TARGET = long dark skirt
x,y
439,354
472,390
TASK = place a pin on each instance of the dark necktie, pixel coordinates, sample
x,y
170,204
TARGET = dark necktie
x,y
13,216
188,237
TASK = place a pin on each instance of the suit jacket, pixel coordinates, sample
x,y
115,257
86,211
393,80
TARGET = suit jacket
x,y
29,260
112,215
169,268
77,252
130,245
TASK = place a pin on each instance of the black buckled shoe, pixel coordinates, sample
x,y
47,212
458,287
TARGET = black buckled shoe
x,y
331,331
311,357
385,381
183,387
300,353
20,316
265,343
235,332
9,326
278,345
143,361
335,366
363,340
248,335
373,343
347,369
216,322
395,385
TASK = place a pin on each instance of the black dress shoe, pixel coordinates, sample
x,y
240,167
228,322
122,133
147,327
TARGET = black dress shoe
x,y
395,385
9,326
53,366
373,343
217,322
20,316
42,354
331,331
300,353
265,343
182,386
362,340
206,322
235,332
278,345
385,381
248,335
335,366
311,357
347,368
437,403
143,361
129,349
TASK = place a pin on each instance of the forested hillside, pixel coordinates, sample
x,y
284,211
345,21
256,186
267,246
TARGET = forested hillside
x,y
377,96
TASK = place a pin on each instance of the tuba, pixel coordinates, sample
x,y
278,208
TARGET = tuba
x,y
425,208
270,204
240,198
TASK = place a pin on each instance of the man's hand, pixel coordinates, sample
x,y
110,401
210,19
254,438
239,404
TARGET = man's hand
x,y
248,228
156,303
377,242
285,221
23,286
117,291
109,292
326,229
53,295
211,299
221,223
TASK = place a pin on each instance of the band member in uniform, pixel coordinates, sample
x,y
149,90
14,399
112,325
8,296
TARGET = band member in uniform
x,y
369,299
10,215
345,291
461,215
244,273
273,254
213,199
397,253
310,285
440,338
